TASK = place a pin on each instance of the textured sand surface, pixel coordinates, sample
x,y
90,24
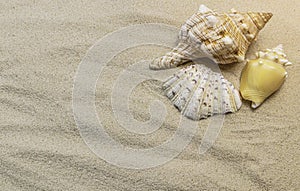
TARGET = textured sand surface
x,y
41,46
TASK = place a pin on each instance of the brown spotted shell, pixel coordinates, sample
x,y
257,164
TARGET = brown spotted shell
x,y
223,37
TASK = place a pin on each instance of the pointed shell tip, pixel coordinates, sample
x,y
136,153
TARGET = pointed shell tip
x,y
203,9
255,105
288,64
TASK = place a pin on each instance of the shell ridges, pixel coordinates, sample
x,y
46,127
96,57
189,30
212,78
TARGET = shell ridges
x,y
222,37
198,92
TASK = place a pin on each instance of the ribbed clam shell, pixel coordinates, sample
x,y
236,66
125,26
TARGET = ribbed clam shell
x,y
224,38
263,76
198,92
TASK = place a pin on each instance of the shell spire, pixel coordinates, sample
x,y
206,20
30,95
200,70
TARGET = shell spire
x,y
250,23
260,19
222,37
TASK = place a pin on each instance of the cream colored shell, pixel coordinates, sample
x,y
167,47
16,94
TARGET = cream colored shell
x,y
263,76
223,37
198,92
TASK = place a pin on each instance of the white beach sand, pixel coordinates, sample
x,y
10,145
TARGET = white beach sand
x,y
43,42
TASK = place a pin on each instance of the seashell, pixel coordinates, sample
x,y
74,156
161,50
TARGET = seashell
x,y
198,92
264,75
224,38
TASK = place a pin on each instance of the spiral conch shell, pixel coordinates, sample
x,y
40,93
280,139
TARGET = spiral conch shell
x,y
264,75
224,38
198,92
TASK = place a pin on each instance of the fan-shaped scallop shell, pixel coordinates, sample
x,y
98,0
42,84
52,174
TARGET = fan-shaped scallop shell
x,y
198,92
224,38
264,75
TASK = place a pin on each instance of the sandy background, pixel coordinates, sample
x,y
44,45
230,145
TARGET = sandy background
x,y
41,45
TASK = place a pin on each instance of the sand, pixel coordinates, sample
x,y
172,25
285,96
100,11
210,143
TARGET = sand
x,y
41,46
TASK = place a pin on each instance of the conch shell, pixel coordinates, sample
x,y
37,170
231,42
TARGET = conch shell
x,y
198,92
224,38
264,75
